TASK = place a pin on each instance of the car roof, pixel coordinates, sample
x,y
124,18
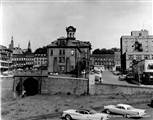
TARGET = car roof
x,y
85,109
125,105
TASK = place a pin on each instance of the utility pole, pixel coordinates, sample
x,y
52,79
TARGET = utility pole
x,y
75,60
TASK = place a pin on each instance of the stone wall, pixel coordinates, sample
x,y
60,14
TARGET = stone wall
x,y
78,86
6,87
66,85
99,89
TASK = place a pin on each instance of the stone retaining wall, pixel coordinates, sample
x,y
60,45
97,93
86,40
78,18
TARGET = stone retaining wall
x,y
66,85
99,89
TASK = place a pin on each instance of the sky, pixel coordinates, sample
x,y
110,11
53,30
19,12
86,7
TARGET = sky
x,y
99,21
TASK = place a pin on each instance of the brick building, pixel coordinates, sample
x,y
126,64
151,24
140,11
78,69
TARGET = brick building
x,y
106,60
65,53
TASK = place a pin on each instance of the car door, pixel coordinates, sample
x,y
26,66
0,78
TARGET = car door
x,y
82,115
117,110
76,115
131,112
87,116
123,110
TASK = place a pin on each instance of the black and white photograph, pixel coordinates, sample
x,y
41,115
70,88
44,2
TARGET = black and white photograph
x,y
76,59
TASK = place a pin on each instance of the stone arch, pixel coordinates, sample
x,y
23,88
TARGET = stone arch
x,y
31,86
19,87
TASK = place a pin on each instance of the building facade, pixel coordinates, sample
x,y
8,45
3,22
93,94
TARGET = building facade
x,y
117,60
22,58
23,61
5,58
137,46
65,53
40,57
106,60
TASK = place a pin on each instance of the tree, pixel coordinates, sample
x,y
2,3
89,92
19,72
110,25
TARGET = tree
x,y
41,50
96,51
105,51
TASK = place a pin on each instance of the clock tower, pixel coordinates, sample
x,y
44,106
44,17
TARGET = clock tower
x,y
70,32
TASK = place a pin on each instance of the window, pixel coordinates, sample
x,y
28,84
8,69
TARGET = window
x,y
138,57
61,52
51,52
150,66
82,112
61,59
146,57
130,57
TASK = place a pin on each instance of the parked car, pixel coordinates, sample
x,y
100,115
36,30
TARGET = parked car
x,y
125,110
98,76
129,76
116,73
84,114
122,77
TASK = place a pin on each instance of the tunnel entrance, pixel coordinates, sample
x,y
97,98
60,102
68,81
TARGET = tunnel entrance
x,y
31,86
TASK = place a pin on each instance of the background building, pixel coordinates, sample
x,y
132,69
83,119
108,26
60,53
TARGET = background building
x,y
67,54
22,58
5,58
11,45
138,46
106,60
117,60
40,57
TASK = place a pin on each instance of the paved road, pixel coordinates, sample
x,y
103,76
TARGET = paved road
x,y
109,77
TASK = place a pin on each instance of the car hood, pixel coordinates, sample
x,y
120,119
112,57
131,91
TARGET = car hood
x,y
138,110
70,110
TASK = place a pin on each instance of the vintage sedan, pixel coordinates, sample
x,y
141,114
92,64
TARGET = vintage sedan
x,y
125,110
84,114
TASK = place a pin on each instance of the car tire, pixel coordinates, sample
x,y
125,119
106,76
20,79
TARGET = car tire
x,y
107,111
68,117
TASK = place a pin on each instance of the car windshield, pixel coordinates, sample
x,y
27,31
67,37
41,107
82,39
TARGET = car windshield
x,y
130,108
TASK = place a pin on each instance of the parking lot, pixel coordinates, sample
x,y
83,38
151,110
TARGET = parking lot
x,y
149,115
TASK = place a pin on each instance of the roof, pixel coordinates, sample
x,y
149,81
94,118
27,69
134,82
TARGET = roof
x,y
125,105
64,43
71,28
3,47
